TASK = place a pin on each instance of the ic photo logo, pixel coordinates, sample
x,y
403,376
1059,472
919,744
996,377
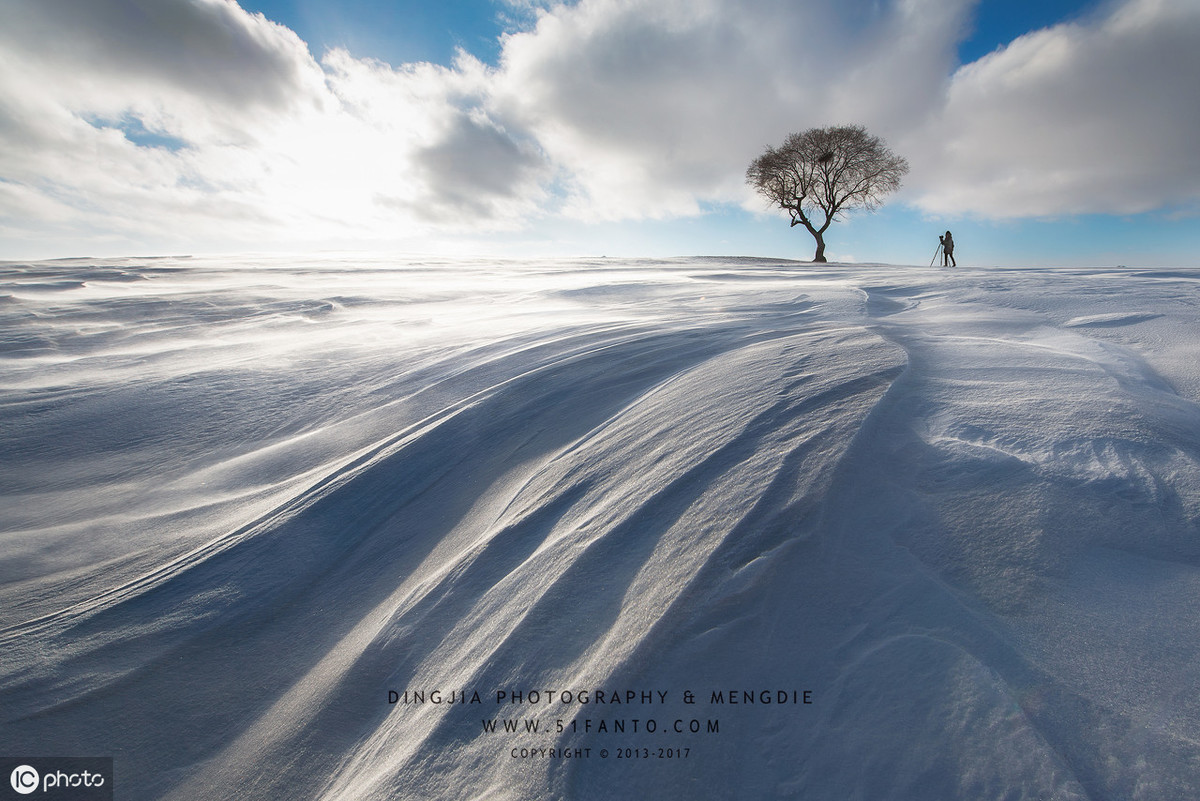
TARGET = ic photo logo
x,y
25,779
57,778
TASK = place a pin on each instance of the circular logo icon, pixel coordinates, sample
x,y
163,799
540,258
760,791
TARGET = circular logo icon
x,y
24,779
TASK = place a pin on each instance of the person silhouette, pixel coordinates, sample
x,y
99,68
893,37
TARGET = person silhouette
x,y
947,250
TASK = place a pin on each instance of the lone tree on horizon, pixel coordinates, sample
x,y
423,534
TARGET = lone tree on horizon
x,y
822,173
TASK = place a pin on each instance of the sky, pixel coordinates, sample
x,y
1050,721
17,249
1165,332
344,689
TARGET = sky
x,y
1060,132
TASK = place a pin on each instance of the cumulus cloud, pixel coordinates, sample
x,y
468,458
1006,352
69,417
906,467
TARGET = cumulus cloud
x,y
1097,116
199,63
204,76
194,121
474,166
653,106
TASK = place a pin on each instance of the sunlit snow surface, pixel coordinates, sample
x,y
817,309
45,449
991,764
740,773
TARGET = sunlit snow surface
x,y
244,499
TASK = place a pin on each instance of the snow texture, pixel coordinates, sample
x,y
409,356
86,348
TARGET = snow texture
x,y
245,499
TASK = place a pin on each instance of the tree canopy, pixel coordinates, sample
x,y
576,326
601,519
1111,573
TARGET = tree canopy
x,y
819,175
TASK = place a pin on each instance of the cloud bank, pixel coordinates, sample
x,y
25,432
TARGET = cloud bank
x,y
1100,117
195,122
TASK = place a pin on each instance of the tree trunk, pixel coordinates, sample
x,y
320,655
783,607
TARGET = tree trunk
x,y
820,257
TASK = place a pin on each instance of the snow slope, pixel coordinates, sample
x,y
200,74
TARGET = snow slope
x,y
245,499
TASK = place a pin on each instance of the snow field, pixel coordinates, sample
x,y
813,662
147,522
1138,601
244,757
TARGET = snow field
x,y
244,499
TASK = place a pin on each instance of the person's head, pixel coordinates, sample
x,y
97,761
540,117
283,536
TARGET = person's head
x,y
947,233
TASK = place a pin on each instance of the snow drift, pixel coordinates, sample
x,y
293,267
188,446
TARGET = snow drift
x,y
270,526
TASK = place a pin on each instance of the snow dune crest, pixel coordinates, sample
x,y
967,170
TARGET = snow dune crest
x,y
250,498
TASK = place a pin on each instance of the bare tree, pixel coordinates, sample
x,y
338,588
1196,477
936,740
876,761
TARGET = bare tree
x,y
818,175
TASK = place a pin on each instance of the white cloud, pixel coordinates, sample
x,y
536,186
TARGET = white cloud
x,y
206,65
653,106
258,142
196,123
1100,116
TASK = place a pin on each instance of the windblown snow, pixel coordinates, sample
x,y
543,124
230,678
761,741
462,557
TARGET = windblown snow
x,y
268,527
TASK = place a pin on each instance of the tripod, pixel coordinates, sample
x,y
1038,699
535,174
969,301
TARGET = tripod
x,y
935,253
